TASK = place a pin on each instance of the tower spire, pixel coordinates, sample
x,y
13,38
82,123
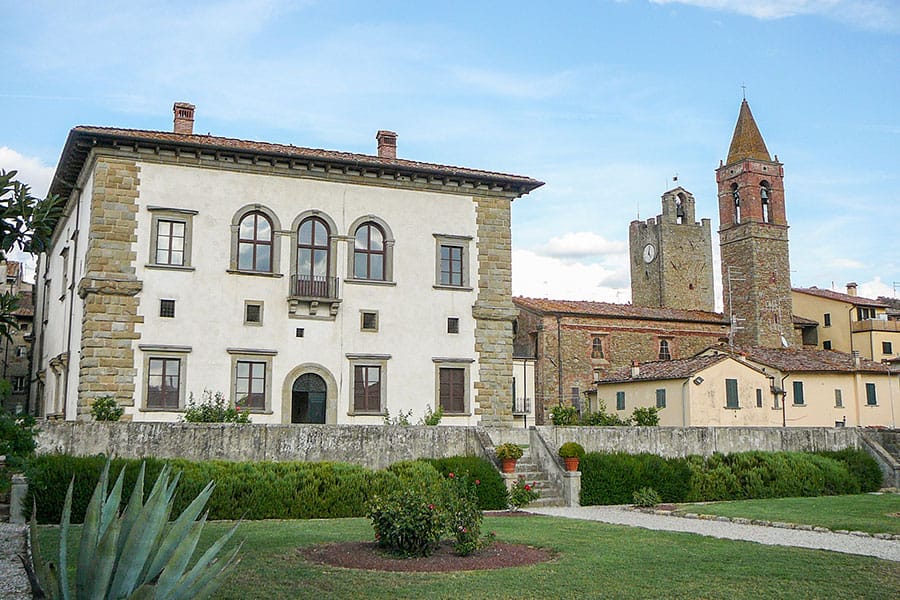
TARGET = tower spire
x,y
747,141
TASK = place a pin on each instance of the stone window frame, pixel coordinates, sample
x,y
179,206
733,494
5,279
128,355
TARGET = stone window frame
x,y
441,362
362,321
452,325
163,213
759,398
247,305
826,317
887,347
164,351
838,398
666,346
333,239
64,270
19,383
367,360
257,356
389,242
277,233
456,241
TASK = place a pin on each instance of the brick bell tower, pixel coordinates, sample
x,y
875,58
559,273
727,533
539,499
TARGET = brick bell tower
x,y
753,239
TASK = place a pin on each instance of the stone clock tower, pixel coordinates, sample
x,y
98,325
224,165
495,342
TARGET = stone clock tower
x,y
753,238
671,257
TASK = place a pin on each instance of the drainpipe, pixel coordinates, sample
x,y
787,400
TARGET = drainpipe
x,y
850,322
684,402
784,401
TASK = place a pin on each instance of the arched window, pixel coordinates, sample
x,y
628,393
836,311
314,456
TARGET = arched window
x,y
737,203
597,348
255,243
664,353
679,208
313,258
368,252
764,198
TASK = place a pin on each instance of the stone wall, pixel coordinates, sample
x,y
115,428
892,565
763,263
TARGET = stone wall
x,y
376,446
704,441
109,288
494,311
372,446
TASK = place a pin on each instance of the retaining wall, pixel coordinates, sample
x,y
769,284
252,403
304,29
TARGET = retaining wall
x,y
377,446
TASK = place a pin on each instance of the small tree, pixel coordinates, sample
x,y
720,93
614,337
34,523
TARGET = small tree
x,y
26,224
645,416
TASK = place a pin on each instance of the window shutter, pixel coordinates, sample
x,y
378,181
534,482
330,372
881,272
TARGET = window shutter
x,y
731,393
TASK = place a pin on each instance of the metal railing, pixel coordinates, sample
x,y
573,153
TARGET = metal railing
x,y
304,286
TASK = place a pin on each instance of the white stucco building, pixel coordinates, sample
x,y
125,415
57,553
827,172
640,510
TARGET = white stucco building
x,y
305,285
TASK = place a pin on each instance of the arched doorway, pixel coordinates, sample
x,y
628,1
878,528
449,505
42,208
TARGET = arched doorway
x,y
308,399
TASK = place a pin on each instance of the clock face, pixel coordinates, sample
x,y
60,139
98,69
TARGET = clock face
x,y
649,253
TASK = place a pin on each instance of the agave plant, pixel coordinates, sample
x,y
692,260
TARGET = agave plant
x,y
136,554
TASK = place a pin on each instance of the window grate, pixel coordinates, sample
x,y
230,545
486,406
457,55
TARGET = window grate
x,y
167,308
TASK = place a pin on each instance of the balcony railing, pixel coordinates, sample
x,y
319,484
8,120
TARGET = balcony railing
x,y
314,287
875,325
521,406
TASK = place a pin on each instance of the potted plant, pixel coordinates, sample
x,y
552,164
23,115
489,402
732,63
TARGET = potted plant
x,y
508,454
571,453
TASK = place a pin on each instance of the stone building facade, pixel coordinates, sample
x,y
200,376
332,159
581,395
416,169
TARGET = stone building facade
x,y
753,238
16,350
671,257
304,285
576,343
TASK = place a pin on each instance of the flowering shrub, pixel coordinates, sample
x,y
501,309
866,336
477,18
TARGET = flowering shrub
x,y
106,408
522,494
412,521
213,409
408,521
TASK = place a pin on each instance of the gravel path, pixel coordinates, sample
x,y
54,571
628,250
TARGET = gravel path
x,y
848,544
13,582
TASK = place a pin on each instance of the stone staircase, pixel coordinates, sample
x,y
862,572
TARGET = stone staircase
x,y
890,441
884,446
532,473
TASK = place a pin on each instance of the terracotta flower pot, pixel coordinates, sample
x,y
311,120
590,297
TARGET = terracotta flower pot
x,y
572,463
508,465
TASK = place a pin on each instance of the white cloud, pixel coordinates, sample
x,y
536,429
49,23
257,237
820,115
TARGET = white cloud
x,y
548,277
846,263
30,170
582,244
875,288
880,15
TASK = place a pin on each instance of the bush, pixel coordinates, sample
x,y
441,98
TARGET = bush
x,y
522,494
106,408
250,490
490,489
645,416
646,497
508,450
214,409
571,450
17,433
408,521
433,418
563,416
609,478
861,466
463,515
603,419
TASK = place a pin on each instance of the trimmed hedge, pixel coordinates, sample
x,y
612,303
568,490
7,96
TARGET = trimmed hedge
x,y
861,465
249,490
491,491
613,478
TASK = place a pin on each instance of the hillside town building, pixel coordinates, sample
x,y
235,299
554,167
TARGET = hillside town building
x,y
16,350
305,285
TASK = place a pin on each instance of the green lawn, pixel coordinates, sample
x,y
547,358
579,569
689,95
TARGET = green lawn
x,y
863,512
594,560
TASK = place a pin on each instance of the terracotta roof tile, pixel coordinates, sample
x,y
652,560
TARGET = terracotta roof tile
x,y
809,360
803,321
665,369
82,137
608,309
747,141
832,295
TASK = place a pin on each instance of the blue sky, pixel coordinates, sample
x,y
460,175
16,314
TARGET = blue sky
x,y
604,101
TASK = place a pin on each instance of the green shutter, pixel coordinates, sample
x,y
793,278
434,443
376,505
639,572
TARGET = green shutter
x,y
620,400
871,399
798,392
660,398
731,393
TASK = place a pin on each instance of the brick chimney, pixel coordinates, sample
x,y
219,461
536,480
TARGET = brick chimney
x,y
184,117
635,369
851,288
387,144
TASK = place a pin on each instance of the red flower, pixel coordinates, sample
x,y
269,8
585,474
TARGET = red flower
x,y
477,482
527,488
451,475
431,506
